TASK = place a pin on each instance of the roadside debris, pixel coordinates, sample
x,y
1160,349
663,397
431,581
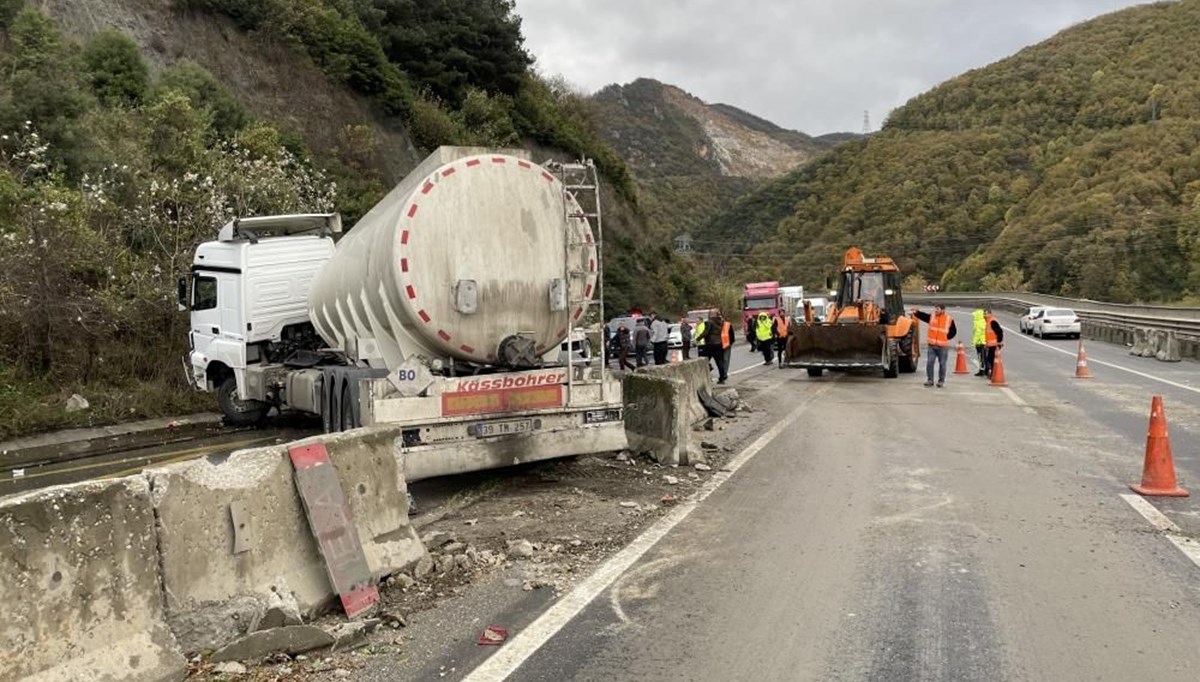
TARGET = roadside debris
x,y
492,636
77,403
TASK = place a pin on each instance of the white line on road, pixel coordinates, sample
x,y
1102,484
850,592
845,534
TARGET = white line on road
x,y
1093,361
1189,546
507,660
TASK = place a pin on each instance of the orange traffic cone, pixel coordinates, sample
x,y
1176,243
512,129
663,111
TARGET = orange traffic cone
x,y
1081,366
998,371
960,365
1158,473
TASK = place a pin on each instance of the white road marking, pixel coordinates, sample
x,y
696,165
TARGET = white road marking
x,y
507,660
1014,397
1093,361
1189,546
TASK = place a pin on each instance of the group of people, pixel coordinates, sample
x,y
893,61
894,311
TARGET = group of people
x,y
988,338
768,334
650,334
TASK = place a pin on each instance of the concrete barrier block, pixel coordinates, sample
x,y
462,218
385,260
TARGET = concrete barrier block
x,y
233,533
697,377
656,417
81,597
1168,348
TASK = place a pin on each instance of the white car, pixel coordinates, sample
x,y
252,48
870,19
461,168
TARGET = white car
x,y
674,336
1060,321
1026,321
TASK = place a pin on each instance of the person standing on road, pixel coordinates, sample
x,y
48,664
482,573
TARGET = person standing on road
x,y
685,334
751,337
781,336
624,343
993,339
979,338
718,343
764,335
660,332
726,329
641,341
941,330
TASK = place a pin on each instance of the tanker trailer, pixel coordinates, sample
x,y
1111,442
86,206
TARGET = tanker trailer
x,y
441,312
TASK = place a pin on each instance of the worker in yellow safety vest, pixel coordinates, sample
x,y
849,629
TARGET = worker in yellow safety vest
x,y
764,334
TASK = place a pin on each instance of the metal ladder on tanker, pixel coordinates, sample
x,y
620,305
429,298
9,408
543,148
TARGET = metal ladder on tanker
x,y
581,183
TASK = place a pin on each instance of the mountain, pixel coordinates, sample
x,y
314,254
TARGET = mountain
x,y
1071,167
689,159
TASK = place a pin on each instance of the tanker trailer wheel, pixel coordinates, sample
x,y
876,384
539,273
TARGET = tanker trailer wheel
x,y
239,412
815,371
908,364
347,411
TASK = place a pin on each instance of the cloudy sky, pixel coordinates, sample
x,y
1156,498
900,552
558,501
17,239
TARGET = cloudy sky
x,y
811,65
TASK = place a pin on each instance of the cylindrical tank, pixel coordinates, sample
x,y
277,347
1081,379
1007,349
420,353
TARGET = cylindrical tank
x,y
467,254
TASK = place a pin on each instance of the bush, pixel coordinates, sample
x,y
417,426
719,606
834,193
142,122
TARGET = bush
x,y
115,69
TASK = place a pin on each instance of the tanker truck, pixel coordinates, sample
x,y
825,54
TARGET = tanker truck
x,y
441,312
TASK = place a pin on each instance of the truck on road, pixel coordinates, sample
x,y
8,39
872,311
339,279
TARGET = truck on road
x,y
760,297
441,312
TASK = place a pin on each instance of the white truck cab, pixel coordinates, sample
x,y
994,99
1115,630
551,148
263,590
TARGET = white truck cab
x,y
249,295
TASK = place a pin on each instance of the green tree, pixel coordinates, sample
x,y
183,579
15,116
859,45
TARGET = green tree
x,y
449,46
115,68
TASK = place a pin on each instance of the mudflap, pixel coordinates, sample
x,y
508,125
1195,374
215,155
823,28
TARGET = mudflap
x,y
838,346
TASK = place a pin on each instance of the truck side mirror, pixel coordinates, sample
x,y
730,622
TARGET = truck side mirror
x,y
181,292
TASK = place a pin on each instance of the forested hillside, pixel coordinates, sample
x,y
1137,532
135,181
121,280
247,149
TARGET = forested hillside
x,y
1072,167
121,150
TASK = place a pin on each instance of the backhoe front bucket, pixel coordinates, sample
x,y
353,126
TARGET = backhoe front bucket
x,y
838,346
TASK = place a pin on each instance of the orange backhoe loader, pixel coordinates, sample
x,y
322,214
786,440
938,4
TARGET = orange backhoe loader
x,y
866,328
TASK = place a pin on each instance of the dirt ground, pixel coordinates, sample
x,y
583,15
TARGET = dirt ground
x,y
531,529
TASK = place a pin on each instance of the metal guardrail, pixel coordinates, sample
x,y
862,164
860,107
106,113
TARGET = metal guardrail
x,y
1183,321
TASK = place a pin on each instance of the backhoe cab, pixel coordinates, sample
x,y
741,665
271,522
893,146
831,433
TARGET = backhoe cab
x,y
865,328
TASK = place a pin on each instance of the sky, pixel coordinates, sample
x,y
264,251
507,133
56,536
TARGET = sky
x,y
811,65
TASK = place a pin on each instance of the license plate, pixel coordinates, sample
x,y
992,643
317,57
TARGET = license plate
x,y
508,428
601,416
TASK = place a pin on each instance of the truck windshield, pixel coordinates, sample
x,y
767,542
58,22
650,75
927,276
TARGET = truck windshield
x,y
760,303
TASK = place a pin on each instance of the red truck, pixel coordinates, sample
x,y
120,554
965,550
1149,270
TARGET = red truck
x,y
759,297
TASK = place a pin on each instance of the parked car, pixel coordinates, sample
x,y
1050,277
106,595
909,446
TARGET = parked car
x,y
1060,321
1026,322
674,336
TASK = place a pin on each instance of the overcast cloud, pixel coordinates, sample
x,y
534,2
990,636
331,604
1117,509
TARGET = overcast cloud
x,y
811,65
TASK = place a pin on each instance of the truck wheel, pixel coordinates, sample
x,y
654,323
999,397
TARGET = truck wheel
x,y
815,371
347,411
239,412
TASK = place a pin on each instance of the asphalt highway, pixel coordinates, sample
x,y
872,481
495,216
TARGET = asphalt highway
x,y
882,530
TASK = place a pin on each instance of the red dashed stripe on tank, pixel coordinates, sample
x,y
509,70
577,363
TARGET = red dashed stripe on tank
x,y
405,265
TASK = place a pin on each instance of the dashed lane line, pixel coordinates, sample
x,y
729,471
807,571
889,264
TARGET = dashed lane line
x,y
1189,546
1094,361
507,660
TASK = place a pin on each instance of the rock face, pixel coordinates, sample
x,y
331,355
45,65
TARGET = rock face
x,y
660,129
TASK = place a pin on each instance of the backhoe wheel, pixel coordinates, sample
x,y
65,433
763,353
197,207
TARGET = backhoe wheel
x,y
815,371
893,368
239,412
908,363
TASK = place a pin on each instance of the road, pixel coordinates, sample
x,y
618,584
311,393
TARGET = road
x,y
881,530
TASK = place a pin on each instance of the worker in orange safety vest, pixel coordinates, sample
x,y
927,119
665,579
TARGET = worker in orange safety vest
x,y
937,340
781,336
